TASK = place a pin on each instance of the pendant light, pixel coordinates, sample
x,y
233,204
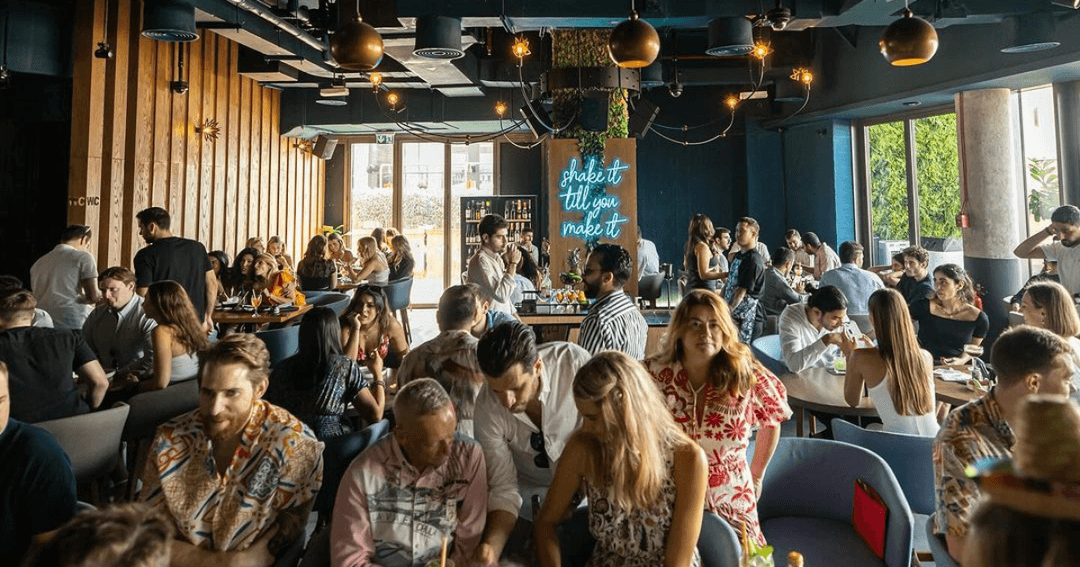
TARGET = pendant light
x,y
909,41
634,43
356,45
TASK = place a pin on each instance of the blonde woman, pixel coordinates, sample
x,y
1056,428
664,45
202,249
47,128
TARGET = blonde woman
x,y
1049,306
897,373
373,266
277,287
276,248
717,391
339,252
644,478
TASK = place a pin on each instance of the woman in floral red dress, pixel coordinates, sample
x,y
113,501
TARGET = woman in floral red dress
x,y
717,391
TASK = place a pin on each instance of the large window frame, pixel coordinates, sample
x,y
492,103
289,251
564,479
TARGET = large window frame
x,y
864,218
397,214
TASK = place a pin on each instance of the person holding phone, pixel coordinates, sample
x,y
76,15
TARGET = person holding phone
x,y
812,333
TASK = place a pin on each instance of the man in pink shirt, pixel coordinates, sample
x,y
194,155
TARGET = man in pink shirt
x,y
407,494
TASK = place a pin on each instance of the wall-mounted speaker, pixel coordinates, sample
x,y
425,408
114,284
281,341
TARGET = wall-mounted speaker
x,y
641,118
324,147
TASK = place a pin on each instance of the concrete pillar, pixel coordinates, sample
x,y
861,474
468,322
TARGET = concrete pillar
x,y
988,182
1067,109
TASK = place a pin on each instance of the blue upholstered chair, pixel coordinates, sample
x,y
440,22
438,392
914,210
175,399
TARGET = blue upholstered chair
x,y
938,546
769,351
398,299
910,458
807,498
718,544
332,299
338,454
282,343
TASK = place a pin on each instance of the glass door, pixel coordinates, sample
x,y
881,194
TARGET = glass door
x,y
472,173
371,205
423,211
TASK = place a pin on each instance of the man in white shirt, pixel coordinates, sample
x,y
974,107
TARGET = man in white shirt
x,y
809,332
854,282
525,414
487,268
526,241
825,257
1065,229
65,280
118,330
648,260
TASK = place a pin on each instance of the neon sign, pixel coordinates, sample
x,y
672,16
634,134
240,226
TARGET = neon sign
x,y
601,211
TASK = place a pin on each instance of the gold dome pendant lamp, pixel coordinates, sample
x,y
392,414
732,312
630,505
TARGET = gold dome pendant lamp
x,y
909,41
356,46
634,43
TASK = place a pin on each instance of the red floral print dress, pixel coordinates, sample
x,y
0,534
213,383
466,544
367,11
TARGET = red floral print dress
x,y
724,434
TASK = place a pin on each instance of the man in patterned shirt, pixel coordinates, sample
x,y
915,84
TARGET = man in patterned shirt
x,y
1028,361
613,322
403,495
238,476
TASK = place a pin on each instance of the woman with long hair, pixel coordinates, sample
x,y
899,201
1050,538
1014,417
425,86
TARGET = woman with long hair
x,y
316,270
644,478
339,252
219,262
240,277
373,266
276,287
256,243
276,248
178,337
380,239
401,258
701,260
368,330
949,320
898,374
319,382
1049,306
717,391
527,277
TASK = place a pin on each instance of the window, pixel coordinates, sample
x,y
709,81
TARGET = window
x,y
913,184
416,186
1042,193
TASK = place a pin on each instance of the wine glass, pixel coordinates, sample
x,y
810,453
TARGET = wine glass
x,y
256,301
973,350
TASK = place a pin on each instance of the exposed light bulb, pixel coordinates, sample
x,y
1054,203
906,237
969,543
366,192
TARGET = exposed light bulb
x,y
392,99
802,76
375,79
731,102
761,50
520,48
500,108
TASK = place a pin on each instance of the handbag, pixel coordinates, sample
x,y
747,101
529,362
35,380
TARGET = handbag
x,y
870,517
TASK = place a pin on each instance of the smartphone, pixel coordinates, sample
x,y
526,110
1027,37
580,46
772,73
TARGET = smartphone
x,y
851,330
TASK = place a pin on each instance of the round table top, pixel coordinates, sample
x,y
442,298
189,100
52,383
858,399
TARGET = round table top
x,y
818,389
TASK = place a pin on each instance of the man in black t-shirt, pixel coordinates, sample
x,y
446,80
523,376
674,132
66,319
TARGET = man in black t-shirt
x,y
37,487
915,284
170,257
40,362
746,280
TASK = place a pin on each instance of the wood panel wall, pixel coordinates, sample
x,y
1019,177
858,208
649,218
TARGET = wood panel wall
x,y
134,144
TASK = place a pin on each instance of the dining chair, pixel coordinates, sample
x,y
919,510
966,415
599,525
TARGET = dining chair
x,y
910,458
92,442
148,411
769,352
718,543
938,547
332,299
282,343
338,454
807,501
398,298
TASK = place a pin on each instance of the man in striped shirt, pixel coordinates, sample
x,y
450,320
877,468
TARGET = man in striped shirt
x,y
613,322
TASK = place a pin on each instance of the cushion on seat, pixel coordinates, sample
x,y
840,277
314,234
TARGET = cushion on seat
x,y
820,541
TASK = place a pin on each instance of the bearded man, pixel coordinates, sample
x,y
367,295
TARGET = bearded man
x,y
1065,230
238,476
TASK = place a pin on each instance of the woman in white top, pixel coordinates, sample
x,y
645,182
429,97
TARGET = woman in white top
x,y
1047,305
373,265
898,374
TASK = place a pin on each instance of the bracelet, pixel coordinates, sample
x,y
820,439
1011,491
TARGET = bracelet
x,y
381,383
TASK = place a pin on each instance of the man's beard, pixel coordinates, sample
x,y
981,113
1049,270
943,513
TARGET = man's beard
x,y
1070,243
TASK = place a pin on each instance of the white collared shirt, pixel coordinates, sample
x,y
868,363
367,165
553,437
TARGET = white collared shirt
x,y
505,437
801,342
486,270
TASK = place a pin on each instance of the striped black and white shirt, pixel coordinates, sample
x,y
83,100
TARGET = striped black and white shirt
x,y
614,323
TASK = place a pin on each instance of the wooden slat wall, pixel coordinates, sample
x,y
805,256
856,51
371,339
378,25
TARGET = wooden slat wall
x,y
134,144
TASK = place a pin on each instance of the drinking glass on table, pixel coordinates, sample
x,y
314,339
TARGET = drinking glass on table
x,y
256,301
973,350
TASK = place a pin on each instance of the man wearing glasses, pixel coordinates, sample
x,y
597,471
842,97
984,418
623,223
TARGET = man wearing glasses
x,y
525,414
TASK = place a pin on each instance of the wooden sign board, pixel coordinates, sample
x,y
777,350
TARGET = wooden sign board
x,y
575,215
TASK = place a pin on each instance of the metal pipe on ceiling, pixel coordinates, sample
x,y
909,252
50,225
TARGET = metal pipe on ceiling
x,y
264,12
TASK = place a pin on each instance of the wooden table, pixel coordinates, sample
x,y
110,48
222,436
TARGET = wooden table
x,y
554,325
234,318
817,389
